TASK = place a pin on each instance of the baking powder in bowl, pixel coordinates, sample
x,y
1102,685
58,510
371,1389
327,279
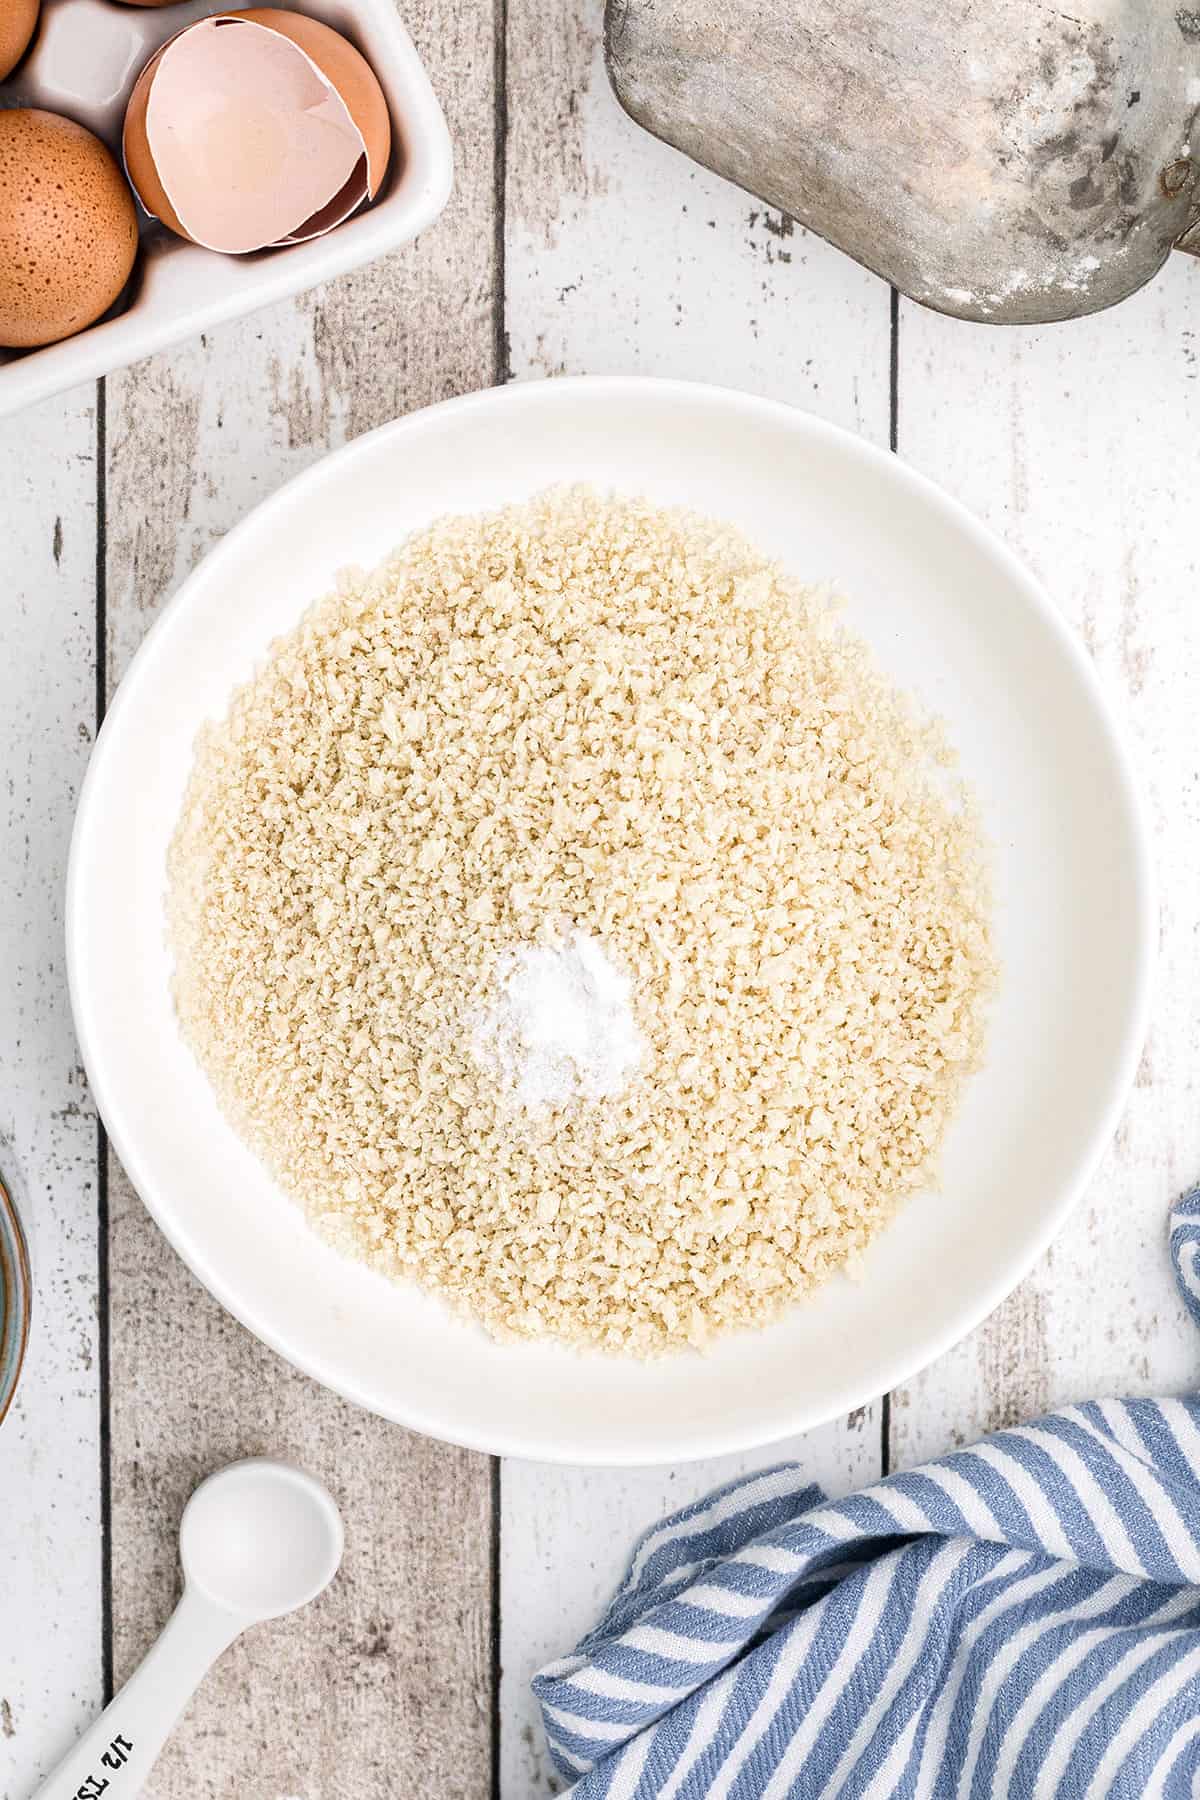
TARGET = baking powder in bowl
x,y
562,1027
584,715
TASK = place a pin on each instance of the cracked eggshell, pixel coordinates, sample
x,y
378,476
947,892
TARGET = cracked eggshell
x,y
253,129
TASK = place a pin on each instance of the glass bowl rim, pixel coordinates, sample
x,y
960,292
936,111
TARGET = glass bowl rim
x,y
16,1299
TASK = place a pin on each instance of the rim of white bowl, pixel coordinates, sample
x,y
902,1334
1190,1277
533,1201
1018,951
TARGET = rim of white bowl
x,y
1009,1273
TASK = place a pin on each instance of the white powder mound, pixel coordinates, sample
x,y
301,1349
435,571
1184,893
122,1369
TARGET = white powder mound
x,y
563,1026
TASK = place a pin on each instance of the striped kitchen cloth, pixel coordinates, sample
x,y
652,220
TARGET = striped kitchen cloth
x,y
1018,1619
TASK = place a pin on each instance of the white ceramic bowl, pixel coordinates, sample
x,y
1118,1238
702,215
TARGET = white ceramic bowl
x,y
950,614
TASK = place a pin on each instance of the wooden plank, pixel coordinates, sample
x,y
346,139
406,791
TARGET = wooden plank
x,y
621,256
391,1670
1078,443
50,1670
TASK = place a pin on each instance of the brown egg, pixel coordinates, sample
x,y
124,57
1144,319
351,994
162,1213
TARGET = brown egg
x,y
17,20
68,228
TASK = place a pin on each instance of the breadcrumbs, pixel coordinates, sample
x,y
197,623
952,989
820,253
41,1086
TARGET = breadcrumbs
x,y
584,713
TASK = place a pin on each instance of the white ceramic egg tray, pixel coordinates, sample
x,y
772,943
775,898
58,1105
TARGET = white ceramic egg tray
x,y
84,62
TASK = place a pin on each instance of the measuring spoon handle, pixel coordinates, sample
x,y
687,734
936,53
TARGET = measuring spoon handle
x,y
114,1756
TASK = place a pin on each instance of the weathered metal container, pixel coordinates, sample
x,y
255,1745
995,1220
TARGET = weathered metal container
x,y
1013,161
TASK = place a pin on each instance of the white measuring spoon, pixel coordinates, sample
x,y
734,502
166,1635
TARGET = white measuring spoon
x,y
257,1540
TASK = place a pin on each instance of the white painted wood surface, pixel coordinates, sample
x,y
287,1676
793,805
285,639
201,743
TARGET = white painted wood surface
x,y
1079,445
50,1513
1078,442
391,1669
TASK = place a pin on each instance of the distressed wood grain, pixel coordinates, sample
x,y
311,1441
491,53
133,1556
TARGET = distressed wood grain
x,y
50,1640
1078,443
621,256
385,1684
390,1670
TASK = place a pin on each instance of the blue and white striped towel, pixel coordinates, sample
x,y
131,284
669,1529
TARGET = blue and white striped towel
x,y
1018,1619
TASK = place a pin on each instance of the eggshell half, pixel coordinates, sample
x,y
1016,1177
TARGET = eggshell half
x,y
253,129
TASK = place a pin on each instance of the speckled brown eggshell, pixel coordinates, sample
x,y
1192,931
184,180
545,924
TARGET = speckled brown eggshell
x,y
17,21
68,228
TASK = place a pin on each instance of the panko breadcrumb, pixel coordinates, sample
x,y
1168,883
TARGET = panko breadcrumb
x,y
587,713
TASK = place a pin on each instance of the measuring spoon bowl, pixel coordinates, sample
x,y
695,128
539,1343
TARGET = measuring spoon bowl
x,y
260,1538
